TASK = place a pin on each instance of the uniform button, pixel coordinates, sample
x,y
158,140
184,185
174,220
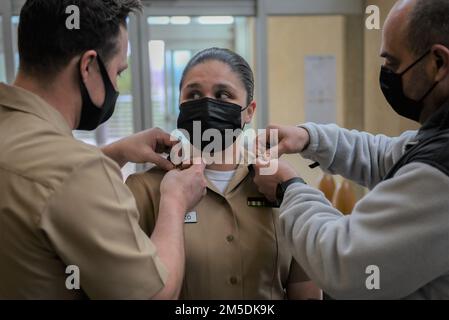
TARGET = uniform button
x,y
233,280
230,238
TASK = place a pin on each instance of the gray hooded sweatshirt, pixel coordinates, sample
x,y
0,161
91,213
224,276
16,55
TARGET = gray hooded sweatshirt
x,y
395,244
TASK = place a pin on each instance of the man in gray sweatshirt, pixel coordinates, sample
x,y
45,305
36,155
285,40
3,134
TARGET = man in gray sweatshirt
x,y
395,244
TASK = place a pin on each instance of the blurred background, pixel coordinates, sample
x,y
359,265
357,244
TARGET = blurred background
x,y
313,60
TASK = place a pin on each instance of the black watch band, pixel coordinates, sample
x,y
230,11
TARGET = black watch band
x,y
282,187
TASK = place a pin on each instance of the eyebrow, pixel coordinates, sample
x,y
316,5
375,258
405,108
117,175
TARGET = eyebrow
x,y
193,86
223,86
220,86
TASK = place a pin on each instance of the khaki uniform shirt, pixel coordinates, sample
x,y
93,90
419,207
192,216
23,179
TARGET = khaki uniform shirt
x,y
233,251
63,203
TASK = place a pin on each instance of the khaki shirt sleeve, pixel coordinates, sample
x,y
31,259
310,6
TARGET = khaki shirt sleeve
x,y
144,201
297,274
92,222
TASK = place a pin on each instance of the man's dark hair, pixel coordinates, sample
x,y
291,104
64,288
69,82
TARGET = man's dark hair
x,y
428,25
232,59
46,45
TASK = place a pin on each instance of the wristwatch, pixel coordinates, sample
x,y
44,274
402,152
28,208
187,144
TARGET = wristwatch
x,y
282,187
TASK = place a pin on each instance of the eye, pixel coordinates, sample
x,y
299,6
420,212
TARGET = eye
x,y
223,95
194,95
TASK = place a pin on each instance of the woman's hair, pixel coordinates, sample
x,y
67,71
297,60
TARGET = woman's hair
x,y
232,59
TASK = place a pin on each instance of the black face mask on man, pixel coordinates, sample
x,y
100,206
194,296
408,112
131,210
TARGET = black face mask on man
x,y
211,114
392,87
91,115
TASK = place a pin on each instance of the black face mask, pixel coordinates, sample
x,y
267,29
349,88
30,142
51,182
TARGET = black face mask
x,y
392,88
212,114
91,115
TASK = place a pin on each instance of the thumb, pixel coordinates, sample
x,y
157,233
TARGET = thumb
x,y
260,163
276,151
161,162
200,163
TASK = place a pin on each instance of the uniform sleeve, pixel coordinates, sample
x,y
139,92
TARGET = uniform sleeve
x,y
296,273
144,201
92,223
357,156
399,229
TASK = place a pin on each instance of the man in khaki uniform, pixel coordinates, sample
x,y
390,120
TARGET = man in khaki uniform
x,y
234,248
63,203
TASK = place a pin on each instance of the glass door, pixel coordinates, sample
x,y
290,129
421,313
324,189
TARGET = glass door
x,y
173,40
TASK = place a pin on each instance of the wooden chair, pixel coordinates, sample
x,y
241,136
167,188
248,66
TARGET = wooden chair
x,y
344,198
327,186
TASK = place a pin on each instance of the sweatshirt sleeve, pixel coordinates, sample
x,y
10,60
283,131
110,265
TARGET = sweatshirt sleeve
x,y
401,227
358,156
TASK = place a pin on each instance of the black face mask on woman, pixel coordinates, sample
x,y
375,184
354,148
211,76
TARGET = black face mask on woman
x,y
91,115
393,90
211,114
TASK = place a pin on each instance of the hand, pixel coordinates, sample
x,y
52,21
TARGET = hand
x,y
184,187
142,147
267,184
290,139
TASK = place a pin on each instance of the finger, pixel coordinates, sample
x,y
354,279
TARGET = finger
x,y
261,163
271,132
187,163
165,141
162,149
275,142
268,143
199,162
185,166
267,131
261,143
276,151
193,164
161,162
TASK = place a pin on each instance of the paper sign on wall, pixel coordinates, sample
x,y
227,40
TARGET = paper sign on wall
x,y
320,89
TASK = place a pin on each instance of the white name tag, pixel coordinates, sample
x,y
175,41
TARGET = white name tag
x,y
190,217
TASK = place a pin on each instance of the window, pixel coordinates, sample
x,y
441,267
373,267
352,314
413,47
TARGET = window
x,y
15,33
166,72
2,54
173,41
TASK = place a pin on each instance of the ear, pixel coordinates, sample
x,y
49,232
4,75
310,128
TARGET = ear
x,y
86,63
249,112
440,55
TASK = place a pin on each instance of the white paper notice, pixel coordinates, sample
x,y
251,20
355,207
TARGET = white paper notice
x,y
320,89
